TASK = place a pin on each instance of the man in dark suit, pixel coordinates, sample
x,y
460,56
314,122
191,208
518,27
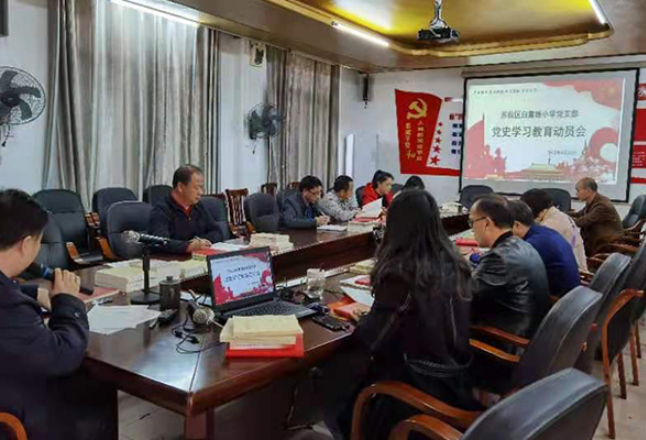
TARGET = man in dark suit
x,y
599,221
182,217
33,354
300,210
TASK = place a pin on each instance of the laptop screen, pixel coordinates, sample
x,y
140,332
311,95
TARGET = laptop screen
x,y
240,276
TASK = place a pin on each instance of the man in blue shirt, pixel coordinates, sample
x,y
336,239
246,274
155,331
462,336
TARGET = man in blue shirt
x,y
556,253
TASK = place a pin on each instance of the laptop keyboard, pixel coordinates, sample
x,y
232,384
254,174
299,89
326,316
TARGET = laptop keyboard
x,y
275,308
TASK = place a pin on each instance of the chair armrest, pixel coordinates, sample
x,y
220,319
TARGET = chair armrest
x,y
428,426
106,249
586,277
554,299
624,248
636,228
501,335
74,254
16,430
426,404
496,353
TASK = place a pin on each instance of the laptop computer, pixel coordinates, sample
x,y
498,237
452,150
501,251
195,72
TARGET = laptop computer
x,y
242,284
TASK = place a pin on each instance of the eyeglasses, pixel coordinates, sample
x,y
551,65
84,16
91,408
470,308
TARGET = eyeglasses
x,y
472,222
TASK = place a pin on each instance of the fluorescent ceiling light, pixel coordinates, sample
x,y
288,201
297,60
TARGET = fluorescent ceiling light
x,y
597,10
360,34
152,11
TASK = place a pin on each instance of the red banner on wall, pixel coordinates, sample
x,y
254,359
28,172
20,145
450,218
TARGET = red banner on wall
x,y
639,156
417,116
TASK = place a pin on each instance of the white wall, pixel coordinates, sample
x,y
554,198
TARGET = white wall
x,y
375,127
242,86
26,47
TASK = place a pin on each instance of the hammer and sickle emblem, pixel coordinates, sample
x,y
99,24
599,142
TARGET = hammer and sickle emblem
x,y
416,111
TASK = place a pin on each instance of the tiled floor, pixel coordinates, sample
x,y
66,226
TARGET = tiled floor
x,y
140,420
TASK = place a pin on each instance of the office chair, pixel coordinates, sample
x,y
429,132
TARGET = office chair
x,y
269,188
77,228
12,426
282,195
359,193
106,197
53,252
470,193
560,198
156,194
566,405
262,211
127,216
217,208
237,219
636,216
396,188
555,347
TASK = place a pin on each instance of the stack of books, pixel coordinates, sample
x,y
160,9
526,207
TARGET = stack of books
x,y
192,268
361,225
277,242
125,278
364,267
218,248
263,336
160,269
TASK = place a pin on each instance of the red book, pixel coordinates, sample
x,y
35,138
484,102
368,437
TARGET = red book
x,y
295,351
364,281
466,242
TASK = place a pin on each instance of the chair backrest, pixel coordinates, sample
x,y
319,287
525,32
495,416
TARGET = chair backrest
x,y
106,197
557,343
293,185
156,193
609,281
470,193
560,198
564,406
269,188
396,188
67,209
53,251
217,208
636,279
262,211
127,216
235,202
359,193
636,213
13,426
282,195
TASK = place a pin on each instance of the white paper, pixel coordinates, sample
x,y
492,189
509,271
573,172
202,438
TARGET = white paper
x,y
372,209
361,296
111,319
334,228
229,247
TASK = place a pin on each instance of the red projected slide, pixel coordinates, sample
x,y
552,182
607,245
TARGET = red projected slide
x,y
545,131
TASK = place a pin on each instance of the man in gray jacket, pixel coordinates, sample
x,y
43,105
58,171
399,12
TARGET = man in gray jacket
x,y
300,210
340,203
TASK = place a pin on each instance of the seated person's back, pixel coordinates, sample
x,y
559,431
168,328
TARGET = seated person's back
x,y
182,217
556,253
35,354
511,289
300,210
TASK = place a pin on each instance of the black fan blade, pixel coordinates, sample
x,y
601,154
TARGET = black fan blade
x,y
25,110
272,130
5,80
27,90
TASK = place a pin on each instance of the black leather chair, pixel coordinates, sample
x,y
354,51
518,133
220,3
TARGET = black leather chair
x,y
67,210
282,195
359,193
560,198
566,405
156,193
263,213
53,252
218,210
396,188
556,345
609,280
636,214
106,197
126,216
470,193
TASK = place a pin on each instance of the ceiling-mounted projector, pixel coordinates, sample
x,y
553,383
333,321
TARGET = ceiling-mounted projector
x,y
438,30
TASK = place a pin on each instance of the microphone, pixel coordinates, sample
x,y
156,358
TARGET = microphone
x,y
42,271
200,315
136,237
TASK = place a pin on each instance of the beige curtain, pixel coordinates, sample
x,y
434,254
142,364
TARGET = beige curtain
x,y
133,97
307,91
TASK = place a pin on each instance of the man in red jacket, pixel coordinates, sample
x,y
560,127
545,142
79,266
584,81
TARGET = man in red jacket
x,y
379,188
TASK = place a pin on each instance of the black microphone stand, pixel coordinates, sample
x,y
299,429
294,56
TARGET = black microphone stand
x,y
147,296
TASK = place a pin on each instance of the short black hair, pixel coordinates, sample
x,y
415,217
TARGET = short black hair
x,y
184,174
538,200
589,183
414,182
309,182
522,213
20,216
496,208
380,176
342,183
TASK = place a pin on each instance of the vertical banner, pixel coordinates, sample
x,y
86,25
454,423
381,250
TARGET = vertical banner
x,y
639,139
420,136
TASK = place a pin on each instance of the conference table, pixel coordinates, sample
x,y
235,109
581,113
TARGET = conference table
x,y
146,363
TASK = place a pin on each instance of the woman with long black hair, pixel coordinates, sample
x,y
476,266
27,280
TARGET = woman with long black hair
x,y
418,328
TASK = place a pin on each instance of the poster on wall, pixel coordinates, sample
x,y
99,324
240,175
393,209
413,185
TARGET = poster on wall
x,y
430,134
639,138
